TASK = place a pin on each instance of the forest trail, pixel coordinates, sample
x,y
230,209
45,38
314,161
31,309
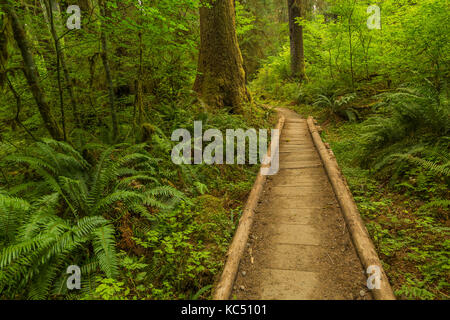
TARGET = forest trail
x,y
299,247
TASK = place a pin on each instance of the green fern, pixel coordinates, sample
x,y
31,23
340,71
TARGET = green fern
x,y
428,165
12,211
441,203
104,248
68,220
412,112
338,105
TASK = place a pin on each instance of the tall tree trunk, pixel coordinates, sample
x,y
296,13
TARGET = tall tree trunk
x,y
31,73
58,65
105,59
296,10
221,76
53,16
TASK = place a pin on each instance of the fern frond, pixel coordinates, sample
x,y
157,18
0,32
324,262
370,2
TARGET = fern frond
x,y
166,191
125,182
98,184
441,203
128,197
12,211
41,286
34,163
104,248
67,148
443,169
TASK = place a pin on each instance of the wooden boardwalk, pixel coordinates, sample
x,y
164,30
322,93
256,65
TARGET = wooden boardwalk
x,y
299,247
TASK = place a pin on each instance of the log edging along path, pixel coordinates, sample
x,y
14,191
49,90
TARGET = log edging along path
x,y
225,285
359,235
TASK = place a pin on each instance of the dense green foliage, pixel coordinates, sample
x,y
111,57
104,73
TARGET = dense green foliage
x,y
108,197
382,96
138,226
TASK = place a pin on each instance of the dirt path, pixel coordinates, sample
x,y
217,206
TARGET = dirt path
x,y
299,247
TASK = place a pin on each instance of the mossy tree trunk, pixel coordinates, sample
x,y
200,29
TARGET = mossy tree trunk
x,y
296,10
221,77
31,72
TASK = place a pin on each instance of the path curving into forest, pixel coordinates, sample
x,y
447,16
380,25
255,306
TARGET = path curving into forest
x,y
299,246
